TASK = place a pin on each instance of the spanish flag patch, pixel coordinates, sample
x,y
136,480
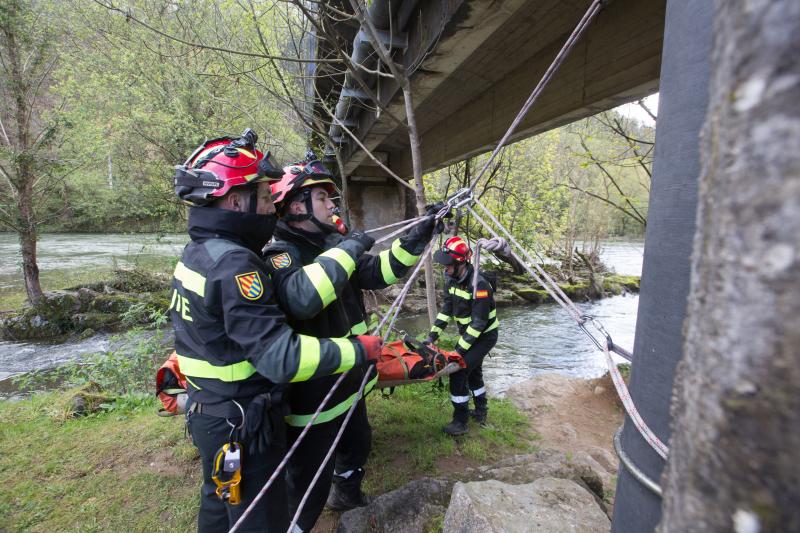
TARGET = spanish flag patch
x,y
250,285
482,294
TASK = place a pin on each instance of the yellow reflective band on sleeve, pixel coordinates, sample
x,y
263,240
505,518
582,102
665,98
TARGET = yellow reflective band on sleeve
x,y
191,280
359,329
492,326
333,412
198,368
436,329
321,282
463,319
309,358
474,332
464,344
461,294
443,317
386,268
402,255
493,313
347,354
341,257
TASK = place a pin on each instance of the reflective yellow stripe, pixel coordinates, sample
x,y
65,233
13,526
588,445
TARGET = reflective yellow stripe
x,y
386,268
443,317
474,332
333,412
359,329
437,330
402,255
492,326
199,368
493,313
321,282
245,152
464,344
191,280
462,294
347,353
463,319
309,358
341,257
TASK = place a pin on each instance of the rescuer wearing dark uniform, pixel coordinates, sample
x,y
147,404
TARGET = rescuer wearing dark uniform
x,y
475,313
233,343
317,305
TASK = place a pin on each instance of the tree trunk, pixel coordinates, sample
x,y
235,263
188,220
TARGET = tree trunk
x,y
416,163
735,452
27,244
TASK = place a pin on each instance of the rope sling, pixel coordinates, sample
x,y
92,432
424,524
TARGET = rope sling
x,y
464,198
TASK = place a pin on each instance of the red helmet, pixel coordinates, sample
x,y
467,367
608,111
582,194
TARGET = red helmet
x,y
302,175
454,250
221,164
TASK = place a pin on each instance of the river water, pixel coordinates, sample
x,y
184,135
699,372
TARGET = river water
x,y
532,339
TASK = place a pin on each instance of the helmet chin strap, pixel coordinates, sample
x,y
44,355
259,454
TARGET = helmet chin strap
x,y
309,215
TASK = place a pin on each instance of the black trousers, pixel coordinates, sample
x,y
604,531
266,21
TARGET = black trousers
x,y
351,454
209,433
470,379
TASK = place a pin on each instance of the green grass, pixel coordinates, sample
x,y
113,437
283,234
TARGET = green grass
x,y
129,470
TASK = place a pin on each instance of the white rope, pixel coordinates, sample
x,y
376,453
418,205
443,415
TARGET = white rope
x,y
328,455
625,395
558,295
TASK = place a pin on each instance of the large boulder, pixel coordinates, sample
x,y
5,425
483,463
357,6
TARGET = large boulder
x,y
413,508
546,505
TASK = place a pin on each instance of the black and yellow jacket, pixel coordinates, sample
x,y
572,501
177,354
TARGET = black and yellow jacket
x,y
232,340
321,305
475,316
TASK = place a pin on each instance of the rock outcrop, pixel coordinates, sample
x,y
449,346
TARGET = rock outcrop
x,y
548,505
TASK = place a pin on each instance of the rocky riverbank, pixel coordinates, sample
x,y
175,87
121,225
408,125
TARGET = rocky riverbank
x,y
568,485
517,289
132,298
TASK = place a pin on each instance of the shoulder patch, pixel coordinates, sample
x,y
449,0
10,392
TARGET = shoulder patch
x,y
482,294
281,260
250,285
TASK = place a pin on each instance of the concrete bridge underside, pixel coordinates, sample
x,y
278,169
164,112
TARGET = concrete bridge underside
x,y
483,59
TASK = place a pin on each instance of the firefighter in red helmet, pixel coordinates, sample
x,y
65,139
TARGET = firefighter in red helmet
x,y
474,311
233,343
321,305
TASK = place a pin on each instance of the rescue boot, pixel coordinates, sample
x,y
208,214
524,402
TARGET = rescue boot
x,y
455,428
479,415
346,491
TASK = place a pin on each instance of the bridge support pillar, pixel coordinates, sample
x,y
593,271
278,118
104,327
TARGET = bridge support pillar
x,y
377,201
668,245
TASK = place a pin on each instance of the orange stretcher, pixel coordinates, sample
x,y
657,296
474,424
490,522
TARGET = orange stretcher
x,y
406,362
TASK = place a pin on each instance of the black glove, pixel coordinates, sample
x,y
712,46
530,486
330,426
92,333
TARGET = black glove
x,y
432,209
428,341
264,424
423,232
362,238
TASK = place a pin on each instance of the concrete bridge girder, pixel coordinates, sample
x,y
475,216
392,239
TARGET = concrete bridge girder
x,y
487,60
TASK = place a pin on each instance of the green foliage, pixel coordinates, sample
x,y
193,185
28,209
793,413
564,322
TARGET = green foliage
x,y
128,369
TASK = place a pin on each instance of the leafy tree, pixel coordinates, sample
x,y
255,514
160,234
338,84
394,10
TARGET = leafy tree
x,y
30,130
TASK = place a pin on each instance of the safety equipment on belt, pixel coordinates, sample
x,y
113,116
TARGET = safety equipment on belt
x,y
295,186
362,238
454,250
263,422
171,387
372,346
227,472
220,164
